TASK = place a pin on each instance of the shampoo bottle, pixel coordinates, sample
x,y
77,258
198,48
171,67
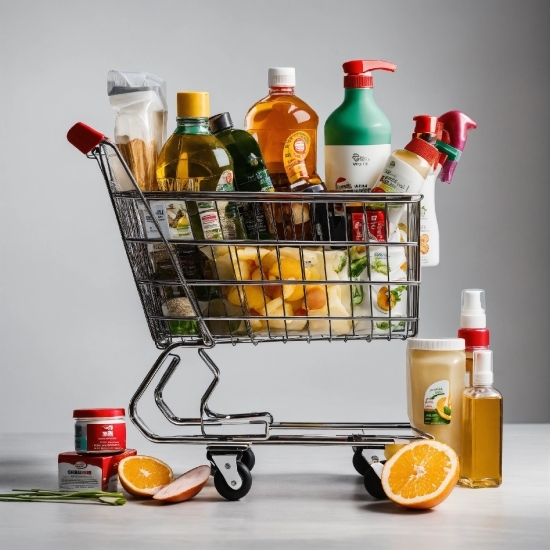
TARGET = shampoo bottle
x,y
481,461
357,133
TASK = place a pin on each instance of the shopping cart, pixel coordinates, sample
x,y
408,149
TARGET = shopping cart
x,y
358,279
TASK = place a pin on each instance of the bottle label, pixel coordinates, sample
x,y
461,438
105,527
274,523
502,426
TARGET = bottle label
x,y
210,221
259,181
354,167
398,176
295,152
437,403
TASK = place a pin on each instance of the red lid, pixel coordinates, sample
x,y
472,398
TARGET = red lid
x,y
476,338
439,130
358,72
425,124
84,138
97,413
423,149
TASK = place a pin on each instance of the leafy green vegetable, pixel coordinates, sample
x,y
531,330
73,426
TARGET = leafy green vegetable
x,y
358,266
380,266
41,495
385,325
396,292
342,261
357,294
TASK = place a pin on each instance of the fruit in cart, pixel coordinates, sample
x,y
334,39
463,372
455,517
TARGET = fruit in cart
x,y
184,487
316,297
251,253
253,294
391,448
421,475
277,308
143,476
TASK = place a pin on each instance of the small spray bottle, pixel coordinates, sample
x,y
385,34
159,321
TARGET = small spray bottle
x,y
481,460
473,327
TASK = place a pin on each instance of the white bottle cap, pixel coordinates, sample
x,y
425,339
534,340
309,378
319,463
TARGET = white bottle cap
x,y
483,367
473,309
281,76
437,344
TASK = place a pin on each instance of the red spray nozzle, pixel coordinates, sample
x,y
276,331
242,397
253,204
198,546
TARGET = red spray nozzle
x,y
457,125
358,72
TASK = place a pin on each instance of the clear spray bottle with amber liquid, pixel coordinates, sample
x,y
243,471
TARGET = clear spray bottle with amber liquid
x,y
482,427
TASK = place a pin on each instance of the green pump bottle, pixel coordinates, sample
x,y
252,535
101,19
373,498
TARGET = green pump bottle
x,y
357,133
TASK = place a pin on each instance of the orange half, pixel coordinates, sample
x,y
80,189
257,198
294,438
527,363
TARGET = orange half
x,y
144,476
421,474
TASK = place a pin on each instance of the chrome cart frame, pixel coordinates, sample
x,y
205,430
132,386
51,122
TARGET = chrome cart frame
x,y
362,316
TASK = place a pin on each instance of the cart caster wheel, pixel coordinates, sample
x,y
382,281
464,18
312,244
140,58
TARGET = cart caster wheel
x,y
360,463
234,494
373,484
248,459
212,463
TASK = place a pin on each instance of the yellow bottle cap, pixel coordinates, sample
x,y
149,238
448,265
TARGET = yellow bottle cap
x,y
193,104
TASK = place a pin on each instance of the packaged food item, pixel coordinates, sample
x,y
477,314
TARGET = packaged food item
x,y
481,464
435,384
139,99
99,431
357,133
90,472
250,174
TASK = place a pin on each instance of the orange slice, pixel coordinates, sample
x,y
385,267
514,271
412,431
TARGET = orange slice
x,y
143,476
422,474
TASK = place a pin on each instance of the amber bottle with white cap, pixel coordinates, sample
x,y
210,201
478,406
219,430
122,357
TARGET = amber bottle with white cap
x,y
481,464
435,384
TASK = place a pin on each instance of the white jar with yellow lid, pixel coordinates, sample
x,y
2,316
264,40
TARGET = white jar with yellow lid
x,y
435,384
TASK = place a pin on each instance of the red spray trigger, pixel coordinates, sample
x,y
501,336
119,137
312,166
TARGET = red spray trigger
x,y
84,138
358,72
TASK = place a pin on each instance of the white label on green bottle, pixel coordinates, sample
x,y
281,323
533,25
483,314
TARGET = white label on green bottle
x,y
437,403
354,167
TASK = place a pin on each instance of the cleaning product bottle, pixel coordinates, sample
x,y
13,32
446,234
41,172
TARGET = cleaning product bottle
x,y
481,461
286,129
250,173
473,327
357,133
405,172
457,124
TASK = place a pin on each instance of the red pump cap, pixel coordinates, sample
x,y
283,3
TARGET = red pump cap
x,y
97,413
425,124
358,72
475,338
423,149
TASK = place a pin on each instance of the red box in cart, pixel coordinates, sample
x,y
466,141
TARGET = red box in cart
x,y
78,472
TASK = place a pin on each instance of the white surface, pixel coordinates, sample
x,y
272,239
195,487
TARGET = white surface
x,y
300,498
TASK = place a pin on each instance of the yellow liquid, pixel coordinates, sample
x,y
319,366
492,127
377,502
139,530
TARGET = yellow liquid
x,y
481,464
425,368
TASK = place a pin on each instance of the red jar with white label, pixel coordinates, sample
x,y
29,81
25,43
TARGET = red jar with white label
x,y
99,431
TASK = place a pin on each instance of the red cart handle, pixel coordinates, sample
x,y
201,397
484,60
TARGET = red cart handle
x,y
84,138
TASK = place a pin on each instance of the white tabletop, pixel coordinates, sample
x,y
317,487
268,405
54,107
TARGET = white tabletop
x,y
301,497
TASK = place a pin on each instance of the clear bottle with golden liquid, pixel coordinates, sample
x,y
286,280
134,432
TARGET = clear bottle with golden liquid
x,y
285,127
481,461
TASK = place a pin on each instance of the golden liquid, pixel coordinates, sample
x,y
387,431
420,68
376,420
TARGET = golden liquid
x,y
271,121
197,162
481,464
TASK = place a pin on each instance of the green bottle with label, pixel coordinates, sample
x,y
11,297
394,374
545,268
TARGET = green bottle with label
x,y
250,174
357,133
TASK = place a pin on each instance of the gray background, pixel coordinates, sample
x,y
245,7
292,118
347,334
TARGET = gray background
x,y
73,332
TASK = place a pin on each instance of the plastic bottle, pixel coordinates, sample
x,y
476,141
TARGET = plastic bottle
x,y
481,464
357,133
250,173
285,127
473,327
435,384
405,172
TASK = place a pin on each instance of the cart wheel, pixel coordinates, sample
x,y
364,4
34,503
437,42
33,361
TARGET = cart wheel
x,y
360,463
212,463
373,484
248,459
234,494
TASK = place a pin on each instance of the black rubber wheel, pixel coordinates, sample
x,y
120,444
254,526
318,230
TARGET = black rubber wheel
x,y
234,494
360,463
248,459
373,484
